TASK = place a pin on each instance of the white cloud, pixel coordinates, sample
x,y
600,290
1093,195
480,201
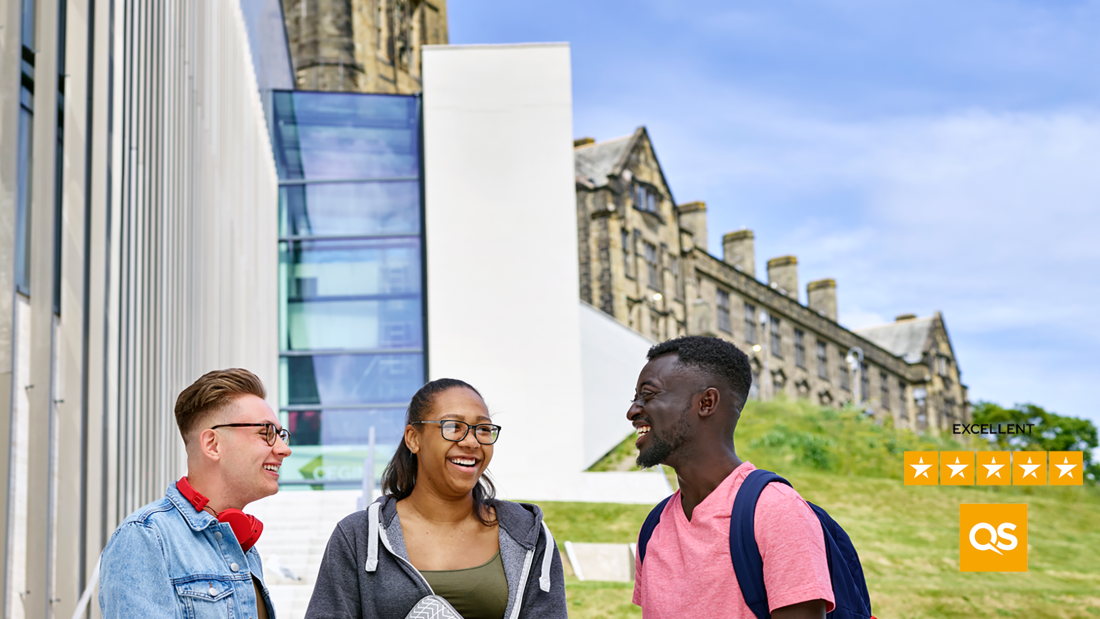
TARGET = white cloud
x,y
992,218
858,318
980,199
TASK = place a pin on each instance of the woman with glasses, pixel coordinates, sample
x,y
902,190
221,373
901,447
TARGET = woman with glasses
x,y
438,531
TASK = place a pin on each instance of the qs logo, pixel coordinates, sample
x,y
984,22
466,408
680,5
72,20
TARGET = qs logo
x,y
993,538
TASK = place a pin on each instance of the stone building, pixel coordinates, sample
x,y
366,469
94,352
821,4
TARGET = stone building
x,y
644,260
362,45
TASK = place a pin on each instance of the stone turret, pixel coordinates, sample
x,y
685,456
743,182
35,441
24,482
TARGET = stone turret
x,y
738,251
783,274
821,297
693,217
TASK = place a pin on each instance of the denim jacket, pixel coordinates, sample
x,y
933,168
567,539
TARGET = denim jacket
x,y
169,560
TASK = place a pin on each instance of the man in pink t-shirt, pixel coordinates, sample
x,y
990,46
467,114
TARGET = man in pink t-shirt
x,y
687,402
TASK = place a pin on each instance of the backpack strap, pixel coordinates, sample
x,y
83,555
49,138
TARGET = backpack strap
x,y
748,566
651,522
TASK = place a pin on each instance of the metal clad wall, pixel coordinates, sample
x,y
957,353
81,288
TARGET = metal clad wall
x,y
168,255
194,200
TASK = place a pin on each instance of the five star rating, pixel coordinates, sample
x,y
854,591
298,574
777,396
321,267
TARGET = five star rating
x,y
993,468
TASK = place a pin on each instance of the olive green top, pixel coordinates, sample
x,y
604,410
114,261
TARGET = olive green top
x,y
476,592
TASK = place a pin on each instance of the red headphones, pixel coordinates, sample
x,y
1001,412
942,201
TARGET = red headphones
x,y
246,528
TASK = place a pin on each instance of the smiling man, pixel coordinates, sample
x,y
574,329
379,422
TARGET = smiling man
x,y
191,554
685,410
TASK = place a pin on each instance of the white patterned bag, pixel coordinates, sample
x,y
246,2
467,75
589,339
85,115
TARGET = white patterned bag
x,y
433,607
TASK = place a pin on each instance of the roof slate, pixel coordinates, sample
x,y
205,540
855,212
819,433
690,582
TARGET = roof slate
x,y
907,339
595,161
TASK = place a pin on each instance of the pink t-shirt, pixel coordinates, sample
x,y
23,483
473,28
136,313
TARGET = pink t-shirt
x,y
688,571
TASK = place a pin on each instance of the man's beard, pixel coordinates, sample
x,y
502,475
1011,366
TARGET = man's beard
x,y
660,448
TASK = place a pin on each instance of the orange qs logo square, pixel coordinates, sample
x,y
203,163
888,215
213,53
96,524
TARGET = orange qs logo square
x,y
993,538
1067,468
957,468
993,468
1029,468
920,468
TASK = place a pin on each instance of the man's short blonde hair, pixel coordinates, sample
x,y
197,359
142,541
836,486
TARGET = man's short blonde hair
x,y
212,392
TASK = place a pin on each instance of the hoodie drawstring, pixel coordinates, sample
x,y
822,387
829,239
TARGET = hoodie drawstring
x,y
372,536
547,559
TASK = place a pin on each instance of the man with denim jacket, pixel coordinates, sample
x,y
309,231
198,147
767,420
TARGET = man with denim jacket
x,y
180,556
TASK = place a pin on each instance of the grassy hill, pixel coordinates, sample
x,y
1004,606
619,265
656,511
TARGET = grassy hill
x,y
907,536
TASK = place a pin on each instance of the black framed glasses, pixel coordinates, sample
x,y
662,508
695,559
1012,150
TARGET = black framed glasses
x,y
270,431
455,431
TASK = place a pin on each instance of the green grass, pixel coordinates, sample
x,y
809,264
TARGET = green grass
x,y
907,536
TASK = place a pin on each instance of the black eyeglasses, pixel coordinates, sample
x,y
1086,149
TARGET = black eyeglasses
x,y
270,431
455,431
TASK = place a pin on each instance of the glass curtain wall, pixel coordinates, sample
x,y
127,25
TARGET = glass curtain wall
x,y
351,316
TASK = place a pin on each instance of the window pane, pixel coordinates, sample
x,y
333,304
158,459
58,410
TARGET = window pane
x,y
331,445
349,209
723,314
27,24
319,269
351,294
750,323
23,203
776,342
354,325
822,364
340,380
334,136
626,253
864,382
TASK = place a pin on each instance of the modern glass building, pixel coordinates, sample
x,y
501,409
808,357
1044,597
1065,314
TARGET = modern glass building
x,y
351,305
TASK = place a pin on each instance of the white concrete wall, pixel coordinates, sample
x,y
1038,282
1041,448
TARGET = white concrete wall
x,y
501,244
612,355
502,296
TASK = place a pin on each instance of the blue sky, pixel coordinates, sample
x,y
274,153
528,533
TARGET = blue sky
x,y
928,155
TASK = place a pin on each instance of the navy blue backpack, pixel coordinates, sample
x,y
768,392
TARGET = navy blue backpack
x,y
849,586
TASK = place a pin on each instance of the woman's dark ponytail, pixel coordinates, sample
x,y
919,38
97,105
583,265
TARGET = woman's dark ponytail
x,y
399,478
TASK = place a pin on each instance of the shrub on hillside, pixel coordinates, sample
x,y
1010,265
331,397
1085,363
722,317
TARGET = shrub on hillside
x,y
782,434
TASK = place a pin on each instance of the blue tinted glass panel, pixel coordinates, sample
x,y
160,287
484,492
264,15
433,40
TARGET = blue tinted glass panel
x,y
27,23
354,325
351,295
330,446
320,270
346,136
23,203
349,209
342,380
337,426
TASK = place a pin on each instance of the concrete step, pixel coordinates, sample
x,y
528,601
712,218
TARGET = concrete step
x,y
297,526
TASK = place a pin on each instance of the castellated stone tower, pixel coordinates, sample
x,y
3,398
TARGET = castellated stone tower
x,y
371,46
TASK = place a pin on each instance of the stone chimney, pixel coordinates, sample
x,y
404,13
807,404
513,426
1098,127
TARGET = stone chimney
x,y
905,317
821,297
737,250
583,142
693,217
783,273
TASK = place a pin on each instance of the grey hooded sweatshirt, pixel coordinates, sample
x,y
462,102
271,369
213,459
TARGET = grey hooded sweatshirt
x,y
366,573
